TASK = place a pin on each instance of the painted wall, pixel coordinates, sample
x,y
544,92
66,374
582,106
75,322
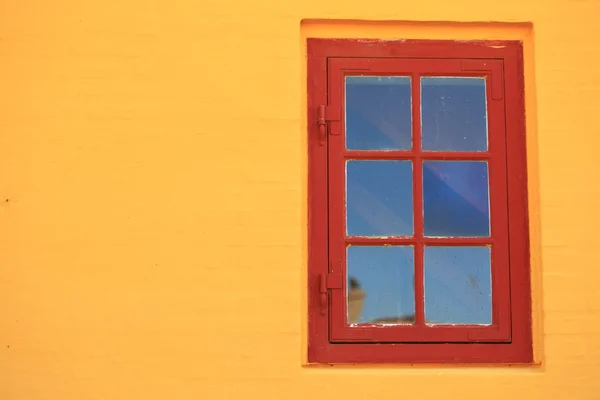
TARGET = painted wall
x,y
153,218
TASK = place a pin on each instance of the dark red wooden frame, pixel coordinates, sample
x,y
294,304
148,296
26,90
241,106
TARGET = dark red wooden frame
x,y
509,338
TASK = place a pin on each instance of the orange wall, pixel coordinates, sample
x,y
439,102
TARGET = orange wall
x,y
152,209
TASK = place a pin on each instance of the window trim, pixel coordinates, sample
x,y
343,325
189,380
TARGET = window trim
x,y
512,346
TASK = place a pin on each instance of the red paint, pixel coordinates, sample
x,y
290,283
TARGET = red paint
x,y
411,155
318,256
420,328
403,240
508,339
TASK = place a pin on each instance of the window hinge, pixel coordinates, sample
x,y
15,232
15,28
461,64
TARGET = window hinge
x,y
327,114
328,281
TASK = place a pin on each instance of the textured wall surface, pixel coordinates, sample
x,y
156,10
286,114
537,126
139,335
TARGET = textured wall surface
x,y
152,209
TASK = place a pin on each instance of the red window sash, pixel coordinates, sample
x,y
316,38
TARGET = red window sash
x,y
499,330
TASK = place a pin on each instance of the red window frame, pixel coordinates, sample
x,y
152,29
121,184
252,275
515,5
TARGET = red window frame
x,y
509,338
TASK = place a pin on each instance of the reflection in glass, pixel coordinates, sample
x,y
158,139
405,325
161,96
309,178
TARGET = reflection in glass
x,y
380,285
378,113
455,199
453,114
379,198
458,287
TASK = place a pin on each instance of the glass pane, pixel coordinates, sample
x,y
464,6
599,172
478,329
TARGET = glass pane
x,y
458,287
379,198
378,113
380,285
455,198
453,114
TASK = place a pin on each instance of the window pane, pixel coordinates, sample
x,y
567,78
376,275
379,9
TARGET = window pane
x,y
453,114
455,199
380,284
458,288
378,113
379,200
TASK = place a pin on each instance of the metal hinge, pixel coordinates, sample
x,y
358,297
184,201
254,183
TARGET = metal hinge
x,y
326,282
327,114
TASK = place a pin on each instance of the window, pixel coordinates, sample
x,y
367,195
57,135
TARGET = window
x,y
418,226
